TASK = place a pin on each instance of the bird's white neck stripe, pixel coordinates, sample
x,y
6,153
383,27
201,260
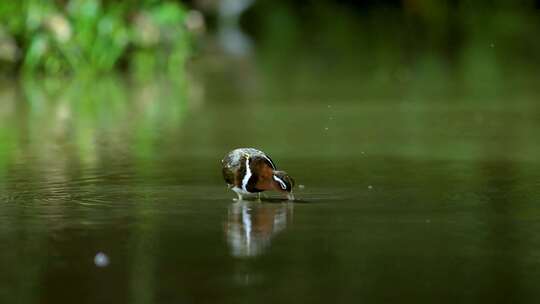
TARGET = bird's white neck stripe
x,y
246,178
270,161
280,181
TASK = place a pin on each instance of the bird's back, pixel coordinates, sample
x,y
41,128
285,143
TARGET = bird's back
x,y
234,164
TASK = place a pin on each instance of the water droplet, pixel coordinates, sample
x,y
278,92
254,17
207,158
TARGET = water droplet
x,y
101,260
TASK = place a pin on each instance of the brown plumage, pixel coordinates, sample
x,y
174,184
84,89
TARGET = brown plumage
x,y
248,170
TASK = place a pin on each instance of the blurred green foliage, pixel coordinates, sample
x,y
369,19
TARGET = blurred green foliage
x,y
418,49
79,36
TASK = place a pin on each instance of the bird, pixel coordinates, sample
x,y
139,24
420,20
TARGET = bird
x,y
250,171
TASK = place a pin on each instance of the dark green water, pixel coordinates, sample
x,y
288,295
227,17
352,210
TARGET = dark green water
x,y
410,192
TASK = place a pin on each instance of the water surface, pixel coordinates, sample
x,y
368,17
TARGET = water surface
x,y
407,195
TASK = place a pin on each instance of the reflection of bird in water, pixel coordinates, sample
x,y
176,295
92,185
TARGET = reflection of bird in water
x,y
248,171
251,226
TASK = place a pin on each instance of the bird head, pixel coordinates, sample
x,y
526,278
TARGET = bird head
x,y
282,181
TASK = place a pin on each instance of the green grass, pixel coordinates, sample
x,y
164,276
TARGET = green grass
x,y
89,36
